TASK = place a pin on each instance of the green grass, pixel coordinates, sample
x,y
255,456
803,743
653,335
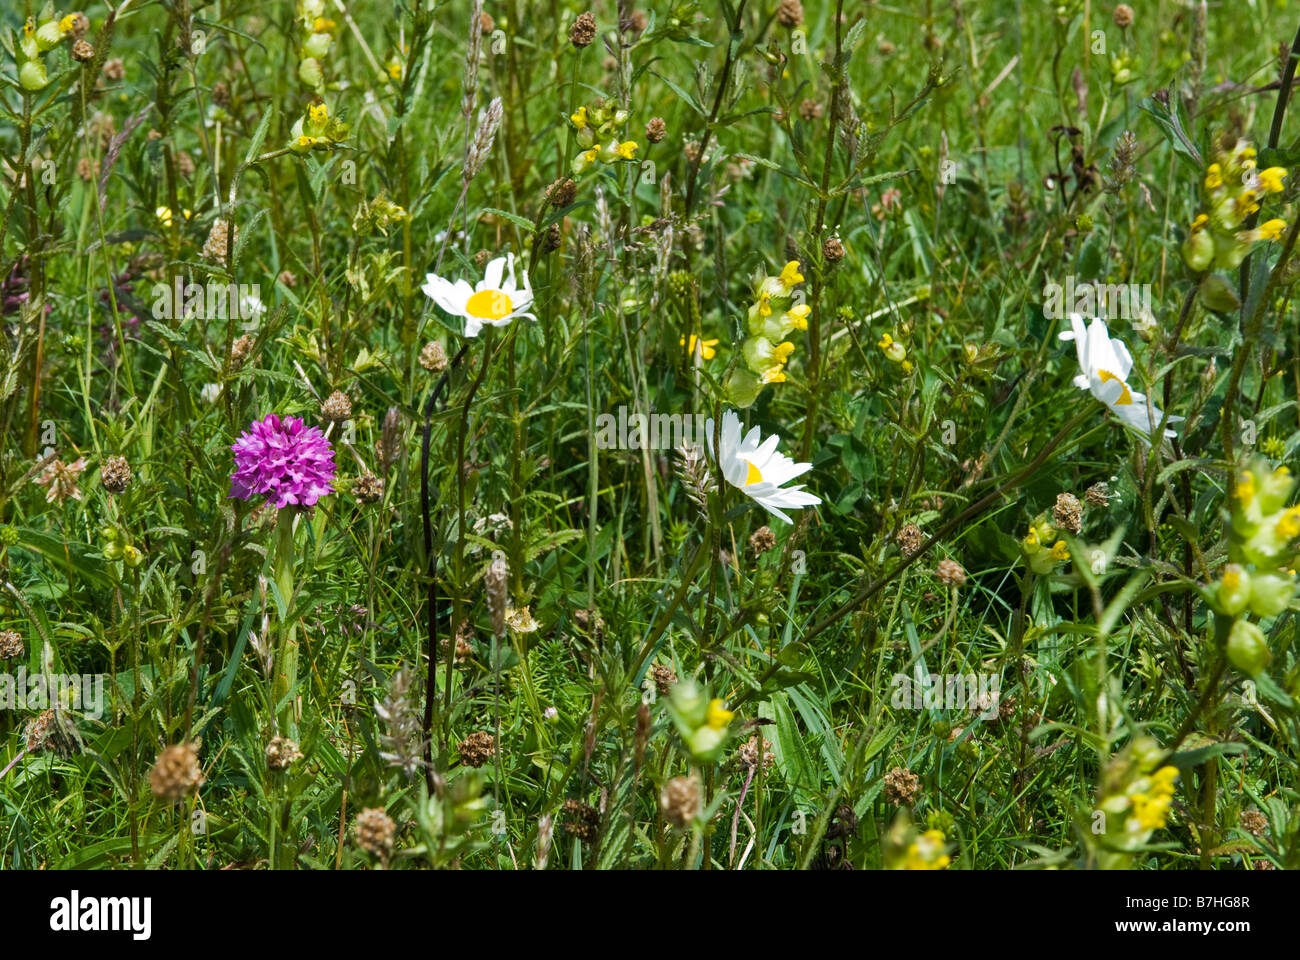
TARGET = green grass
x,y
961,157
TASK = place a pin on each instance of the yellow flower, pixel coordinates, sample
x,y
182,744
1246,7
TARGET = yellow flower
x,y
719,715
1271,229
1031,538
706,347
798,316
772,375
1245,491
395,69
579,118
1289,526
1151,807
1246,203
1213,177
323,25
892,348
1232,576
1199,223
1060,552
67,23
165,215
764,304
1271,179
926,852
319,113
627,149
791,275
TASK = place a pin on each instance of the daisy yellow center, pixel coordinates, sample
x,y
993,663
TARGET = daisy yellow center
x,y
753,476
1125,397
489,305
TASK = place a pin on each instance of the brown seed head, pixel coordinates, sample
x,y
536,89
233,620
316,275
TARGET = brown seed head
x,y
950,573
909,539
562,193
679,801
762,540
11,645
477,749
176,775
221,238
374,830
368,488
115,474
1068,512
748,753
281,752
581,819
337,407
664,678
583,31
1098,495
240,350
433,357
901,786
1253,822
790,13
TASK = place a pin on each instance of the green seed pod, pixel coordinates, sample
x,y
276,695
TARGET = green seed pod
x,y
1247,648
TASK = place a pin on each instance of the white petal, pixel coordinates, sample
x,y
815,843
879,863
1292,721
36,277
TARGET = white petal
x,y
1079,334
1123,358
781,470
749,446
527,287
763,455
776,511
442,292
492,274
522,299
795,497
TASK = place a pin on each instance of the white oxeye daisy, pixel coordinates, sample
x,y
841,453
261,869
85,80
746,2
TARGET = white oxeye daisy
x,y
753,467
1104,366
496,301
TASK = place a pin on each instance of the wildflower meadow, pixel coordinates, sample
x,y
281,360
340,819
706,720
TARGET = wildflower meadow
x,y
649,435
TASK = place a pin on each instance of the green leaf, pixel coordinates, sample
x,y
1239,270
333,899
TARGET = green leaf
x,y
791,755
523,223
686,97
259,136
1172,127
